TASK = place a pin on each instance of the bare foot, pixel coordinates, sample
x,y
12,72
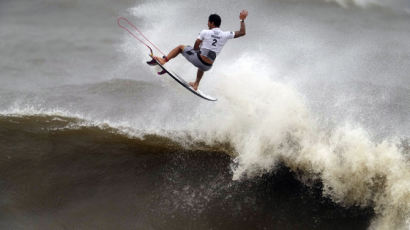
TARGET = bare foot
x,y
193,85
160,60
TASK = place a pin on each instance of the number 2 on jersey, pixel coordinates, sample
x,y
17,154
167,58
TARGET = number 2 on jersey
x,y
214,42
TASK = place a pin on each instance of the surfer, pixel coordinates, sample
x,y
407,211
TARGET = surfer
x,y
207,46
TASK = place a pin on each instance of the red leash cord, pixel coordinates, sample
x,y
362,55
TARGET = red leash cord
x,y
135,36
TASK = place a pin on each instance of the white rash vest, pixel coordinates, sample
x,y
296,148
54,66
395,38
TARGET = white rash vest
x,y
214,40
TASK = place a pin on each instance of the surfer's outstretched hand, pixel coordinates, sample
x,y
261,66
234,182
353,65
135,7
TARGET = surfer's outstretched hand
x,y
243,14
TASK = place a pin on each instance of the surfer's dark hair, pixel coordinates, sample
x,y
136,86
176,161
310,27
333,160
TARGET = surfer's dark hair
x,y
215,19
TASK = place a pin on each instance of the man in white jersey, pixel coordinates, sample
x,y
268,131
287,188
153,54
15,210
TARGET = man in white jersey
x,y
207,46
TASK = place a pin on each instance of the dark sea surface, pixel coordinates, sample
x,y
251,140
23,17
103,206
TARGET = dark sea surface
x,y
54,177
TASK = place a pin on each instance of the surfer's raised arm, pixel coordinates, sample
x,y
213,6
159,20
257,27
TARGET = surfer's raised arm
x,y
242,30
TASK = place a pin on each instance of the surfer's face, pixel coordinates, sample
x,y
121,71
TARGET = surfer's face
x,y
211,25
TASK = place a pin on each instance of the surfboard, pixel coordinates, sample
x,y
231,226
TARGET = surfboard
x,y
172,74
185,84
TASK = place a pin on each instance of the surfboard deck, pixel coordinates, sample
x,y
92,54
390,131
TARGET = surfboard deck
x,y
185,84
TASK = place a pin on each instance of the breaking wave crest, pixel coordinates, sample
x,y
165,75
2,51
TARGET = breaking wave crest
x,y
265,123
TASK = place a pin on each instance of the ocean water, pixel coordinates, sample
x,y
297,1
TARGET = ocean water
x,y
310,130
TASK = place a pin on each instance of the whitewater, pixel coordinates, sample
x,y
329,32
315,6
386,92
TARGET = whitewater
x,y
318,87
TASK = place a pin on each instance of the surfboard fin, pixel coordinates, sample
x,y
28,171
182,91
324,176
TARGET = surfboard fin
x,y
162,72
152,62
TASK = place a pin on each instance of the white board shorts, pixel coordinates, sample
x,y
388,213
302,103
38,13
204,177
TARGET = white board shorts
x,y
194,57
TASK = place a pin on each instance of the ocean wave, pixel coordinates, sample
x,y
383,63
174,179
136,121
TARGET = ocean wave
x,y
271,124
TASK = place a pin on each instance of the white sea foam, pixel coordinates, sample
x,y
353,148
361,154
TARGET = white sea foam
x,y
267,122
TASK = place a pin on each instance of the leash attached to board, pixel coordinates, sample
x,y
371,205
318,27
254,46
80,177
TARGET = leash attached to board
x,y
136,37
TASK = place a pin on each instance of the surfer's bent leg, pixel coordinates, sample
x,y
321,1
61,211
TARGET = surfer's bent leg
x,y
199,75
177,50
